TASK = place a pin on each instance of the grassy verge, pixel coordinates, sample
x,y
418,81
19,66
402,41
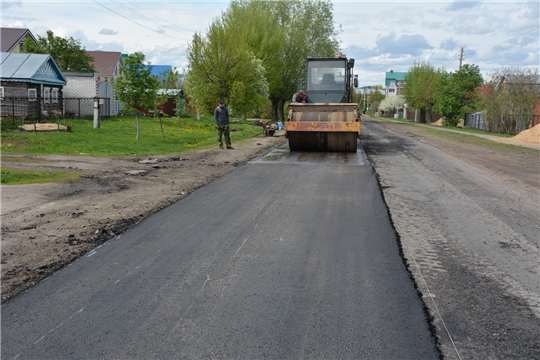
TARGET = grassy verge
x,y
16,177
116,137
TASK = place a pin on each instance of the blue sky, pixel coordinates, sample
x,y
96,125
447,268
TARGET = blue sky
x,y
381,36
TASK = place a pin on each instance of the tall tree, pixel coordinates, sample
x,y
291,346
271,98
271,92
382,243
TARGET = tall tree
x,y
136,87
222,66
420,88
281,34
457,92
68,54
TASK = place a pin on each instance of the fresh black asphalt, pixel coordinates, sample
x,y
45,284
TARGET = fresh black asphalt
x,y
294,257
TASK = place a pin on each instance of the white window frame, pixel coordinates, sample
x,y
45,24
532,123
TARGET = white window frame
x,y
54,95
46,95
32,94
2,92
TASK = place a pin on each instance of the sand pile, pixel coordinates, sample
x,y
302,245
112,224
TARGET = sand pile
x,y
43,127
439,122
529,136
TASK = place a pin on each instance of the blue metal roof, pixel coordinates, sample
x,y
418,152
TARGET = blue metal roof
x,y
158,70
32,68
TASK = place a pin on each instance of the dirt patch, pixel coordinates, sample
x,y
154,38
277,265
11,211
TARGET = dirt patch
x,y
47,226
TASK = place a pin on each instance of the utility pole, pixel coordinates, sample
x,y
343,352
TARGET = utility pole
x,y
461,59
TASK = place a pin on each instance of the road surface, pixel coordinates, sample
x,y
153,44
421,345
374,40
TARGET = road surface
x,y
290,256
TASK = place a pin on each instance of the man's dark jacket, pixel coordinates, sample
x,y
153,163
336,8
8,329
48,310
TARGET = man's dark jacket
x,y
221,116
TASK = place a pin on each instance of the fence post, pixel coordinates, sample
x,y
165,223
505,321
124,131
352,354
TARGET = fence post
x,y
96,113
13,111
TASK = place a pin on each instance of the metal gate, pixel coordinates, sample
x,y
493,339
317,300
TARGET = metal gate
x,y
105,90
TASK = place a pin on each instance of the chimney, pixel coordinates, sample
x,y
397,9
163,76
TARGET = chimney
x,y
391,70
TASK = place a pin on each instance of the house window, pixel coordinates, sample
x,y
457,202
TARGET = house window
x,y
32,94
47,95
391,90
54,95
2,92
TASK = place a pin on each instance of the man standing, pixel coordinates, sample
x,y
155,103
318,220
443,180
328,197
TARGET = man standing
x,y
221,118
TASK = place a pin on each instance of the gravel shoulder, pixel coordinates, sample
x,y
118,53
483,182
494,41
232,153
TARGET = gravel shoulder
x,y
47,226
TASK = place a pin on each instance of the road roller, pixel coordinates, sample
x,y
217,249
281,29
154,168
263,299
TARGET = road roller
x,y
328,120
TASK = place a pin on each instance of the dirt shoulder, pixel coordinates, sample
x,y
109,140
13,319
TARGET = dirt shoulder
x,y
47,226
519,162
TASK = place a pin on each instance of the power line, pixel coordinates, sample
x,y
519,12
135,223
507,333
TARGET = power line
x,y
161,19
528,35
133,21
454,58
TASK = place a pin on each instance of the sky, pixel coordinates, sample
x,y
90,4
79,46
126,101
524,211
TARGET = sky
x,y
380,36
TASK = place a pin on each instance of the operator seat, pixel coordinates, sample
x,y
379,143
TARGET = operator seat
x,y
328,80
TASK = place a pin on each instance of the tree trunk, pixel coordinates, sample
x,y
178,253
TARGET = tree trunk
x,y
138,127
422,113
281,104
274,110
428,116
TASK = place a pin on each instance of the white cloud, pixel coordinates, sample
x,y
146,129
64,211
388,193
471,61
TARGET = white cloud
x,y
525,18
379,35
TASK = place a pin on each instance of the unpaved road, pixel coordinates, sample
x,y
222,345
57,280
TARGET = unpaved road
x,y
468,218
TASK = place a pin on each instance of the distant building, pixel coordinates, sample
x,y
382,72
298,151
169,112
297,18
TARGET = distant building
x,y
99,84
13,39
394,82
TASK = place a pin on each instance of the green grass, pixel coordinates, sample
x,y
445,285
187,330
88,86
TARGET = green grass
x,y
15,177
116,137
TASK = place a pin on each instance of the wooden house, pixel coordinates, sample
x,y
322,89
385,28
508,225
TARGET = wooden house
x,y
30,84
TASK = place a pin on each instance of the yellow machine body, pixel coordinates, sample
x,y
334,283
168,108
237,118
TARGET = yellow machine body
x,y
323,127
